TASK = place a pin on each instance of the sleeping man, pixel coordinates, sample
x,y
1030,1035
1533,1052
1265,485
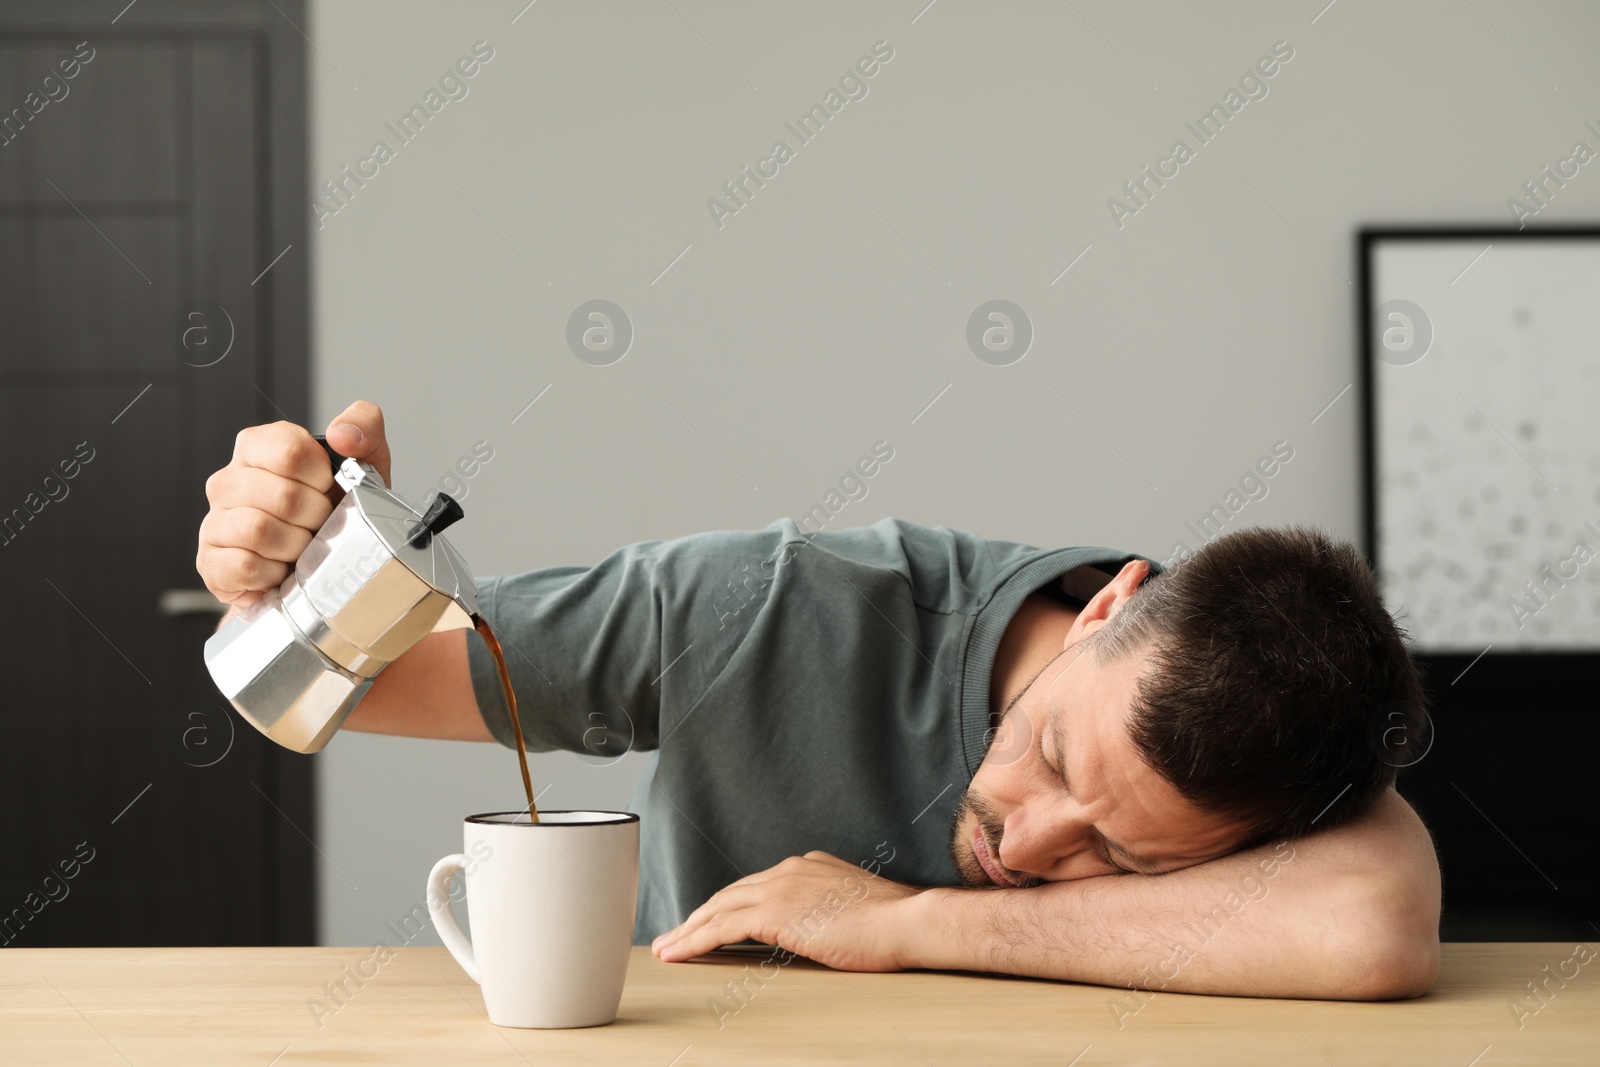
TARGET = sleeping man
x,y
904,747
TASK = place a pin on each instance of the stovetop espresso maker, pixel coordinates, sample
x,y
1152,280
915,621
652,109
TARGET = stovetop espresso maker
x,y
373,581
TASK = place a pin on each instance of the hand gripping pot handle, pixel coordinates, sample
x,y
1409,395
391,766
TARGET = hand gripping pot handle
x,y
374,580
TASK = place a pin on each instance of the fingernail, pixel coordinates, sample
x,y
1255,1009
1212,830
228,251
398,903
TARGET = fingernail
x,y
353,428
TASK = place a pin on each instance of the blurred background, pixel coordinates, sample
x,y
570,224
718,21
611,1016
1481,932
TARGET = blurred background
x,y
985,252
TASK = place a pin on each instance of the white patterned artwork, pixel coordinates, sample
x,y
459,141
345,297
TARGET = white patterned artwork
x,y
1485,387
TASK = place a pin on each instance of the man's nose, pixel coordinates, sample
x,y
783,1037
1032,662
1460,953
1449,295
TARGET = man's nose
x,y
1032,845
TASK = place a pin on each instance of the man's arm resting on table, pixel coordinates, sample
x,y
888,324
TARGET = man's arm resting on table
x,y
1350,913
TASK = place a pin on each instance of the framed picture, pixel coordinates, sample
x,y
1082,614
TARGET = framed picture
x,y
1481,381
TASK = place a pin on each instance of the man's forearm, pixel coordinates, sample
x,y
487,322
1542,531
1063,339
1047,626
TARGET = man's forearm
x,y
1351,913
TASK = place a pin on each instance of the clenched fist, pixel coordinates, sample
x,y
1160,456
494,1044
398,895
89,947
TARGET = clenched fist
x,y
274,496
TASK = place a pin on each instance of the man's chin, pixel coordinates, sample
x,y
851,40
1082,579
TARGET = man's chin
x,y
962,855
972,876
969,870
965,861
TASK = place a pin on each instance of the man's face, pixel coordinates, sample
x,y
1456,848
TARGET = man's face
x,y
1062,792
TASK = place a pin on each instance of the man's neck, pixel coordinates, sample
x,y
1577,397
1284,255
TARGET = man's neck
x,y
1032,639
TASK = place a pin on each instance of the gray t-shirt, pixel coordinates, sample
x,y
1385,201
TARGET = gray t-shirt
x,y
796,691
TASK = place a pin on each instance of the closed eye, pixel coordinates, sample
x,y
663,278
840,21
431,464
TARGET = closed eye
x,y
1059,769
1105,856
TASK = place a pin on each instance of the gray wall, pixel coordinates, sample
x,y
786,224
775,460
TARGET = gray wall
x,y
830,310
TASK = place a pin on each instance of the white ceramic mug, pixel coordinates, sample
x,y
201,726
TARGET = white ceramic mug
x,y
551,904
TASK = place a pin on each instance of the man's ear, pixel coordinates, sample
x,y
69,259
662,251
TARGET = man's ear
x,y
1107,601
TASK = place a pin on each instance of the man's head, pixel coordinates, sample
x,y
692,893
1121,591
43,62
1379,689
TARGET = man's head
x,y
1223,703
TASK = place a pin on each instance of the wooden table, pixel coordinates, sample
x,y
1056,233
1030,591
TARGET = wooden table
x,y
253,1006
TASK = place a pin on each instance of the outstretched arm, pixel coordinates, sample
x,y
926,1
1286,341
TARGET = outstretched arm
x,y
1350,913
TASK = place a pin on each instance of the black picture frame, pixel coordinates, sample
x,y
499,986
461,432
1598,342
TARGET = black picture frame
x,y
1503,789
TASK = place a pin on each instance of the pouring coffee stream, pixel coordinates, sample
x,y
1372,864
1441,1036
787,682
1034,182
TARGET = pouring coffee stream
x,y
376,579
486,632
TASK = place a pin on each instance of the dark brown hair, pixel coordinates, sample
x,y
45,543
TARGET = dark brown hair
x,y
1280,691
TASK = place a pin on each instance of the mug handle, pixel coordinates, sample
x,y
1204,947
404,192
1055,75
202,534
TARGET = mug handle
x,y
444,920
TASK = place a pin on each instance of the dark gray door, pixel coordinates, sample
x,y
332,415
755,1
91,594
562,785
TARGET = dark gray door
x,y
149,174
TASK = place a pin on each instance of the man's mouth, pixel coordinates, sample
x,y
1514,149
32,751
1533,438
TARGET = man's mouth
x,y
980,849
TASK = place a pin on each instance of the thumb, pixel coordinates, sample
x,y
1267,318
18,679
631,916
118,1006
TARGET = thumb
x,y
357,432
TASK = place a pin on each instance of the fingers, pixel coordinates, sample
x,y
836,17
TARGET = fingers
x,y
725,929
737,895
689,937
255,531
733,919
286,450
245,550
747,908
746,892
237,574
268,503
358,432
292,501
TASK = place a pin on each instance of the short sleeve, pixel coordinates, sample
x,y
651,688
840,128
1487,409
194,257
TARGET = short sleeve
x,y
587,647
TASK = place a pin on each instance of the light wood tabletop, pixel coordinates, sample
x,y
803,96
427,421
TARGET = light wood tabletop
x,y
271,1006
